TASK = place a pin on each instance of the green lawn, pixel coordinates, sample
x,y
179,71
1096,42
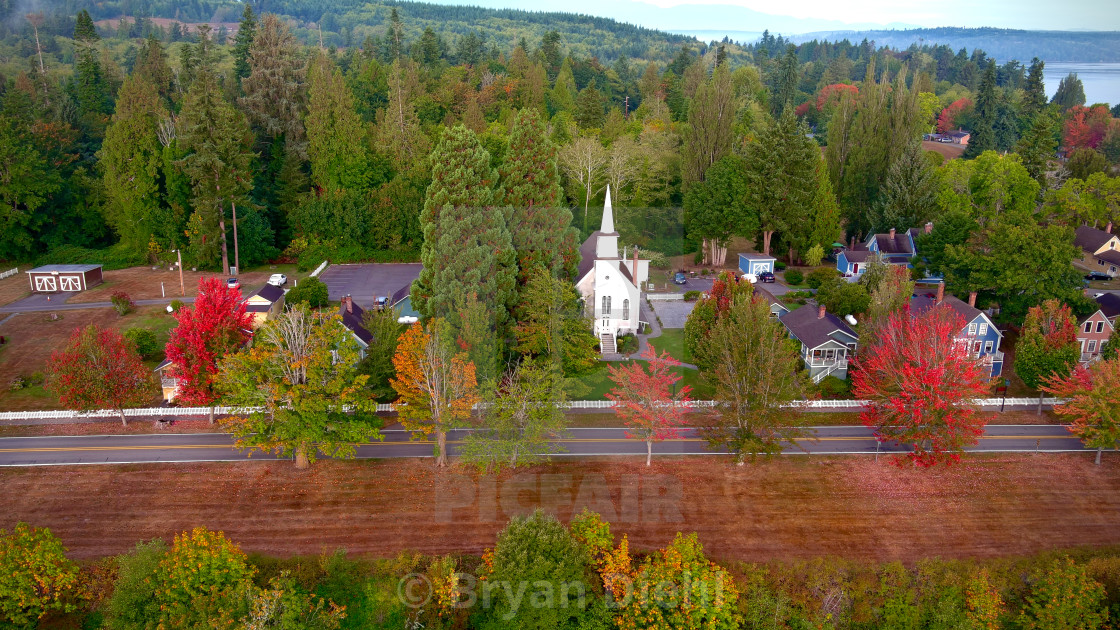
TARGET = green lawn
x,y
595,384
672,341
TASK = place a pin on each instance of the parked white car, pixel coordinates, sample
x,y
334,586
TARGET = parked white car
x,y
751,277
278,279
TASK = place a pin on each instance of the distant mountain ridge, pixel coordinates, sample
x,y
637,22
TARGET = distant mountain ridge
x,y
1002,44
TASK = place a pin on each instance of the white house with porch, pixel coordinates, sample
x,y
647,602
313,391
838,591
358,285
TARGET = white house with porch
x,y
610,284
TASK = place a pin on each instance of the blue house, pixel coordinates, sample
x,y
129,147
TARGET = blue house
x,y
893,248
979,332
756,263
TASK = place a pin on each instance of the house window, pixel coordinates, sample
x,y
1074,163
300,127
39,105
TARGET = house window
x,y
976,348
1088,326
1092,346
1100,327
988,347
626,309
606,305
972,330
983,329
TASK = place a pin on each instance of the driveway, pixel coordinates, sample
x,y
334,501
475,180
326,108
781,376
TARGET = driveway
x,y
365,282
673,313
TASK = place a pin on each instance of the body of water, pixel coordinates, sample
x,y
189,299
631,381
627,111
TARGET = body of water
x,y
1101,80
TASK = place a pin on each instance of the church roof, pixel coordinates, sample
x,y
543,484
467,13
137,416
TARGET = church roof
x,y
587,254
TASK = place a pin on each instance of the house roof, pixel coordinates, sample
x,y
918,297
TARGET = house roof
x,y
922,302
587,254
270,292
64,268
1109,255
900,244
1090,239
258,308
765,294
401,294
754,256
812,330
1109,304
857,255
957,134
352,319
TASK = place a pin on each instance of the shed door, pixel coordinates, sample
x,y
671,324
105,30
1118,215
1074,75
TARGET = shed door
x,y
70,283
45,283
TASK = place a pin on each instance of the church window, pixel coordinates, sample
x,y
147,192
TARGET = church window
x,y
626,309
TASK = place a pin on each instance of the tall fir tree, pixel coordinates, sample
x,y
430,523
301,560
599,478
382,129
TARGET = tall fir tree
x,y
216,141
398,126
1034,92
785,83
131,158
274,87
710,116
562,98
1070,92
243,42
1037,146
589,107
151,65
540,225
781,176
91,88
909,193
983,137
337,136
467,249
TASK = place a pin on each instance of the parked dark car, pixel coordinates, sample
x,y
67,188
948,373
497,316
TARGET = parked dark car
x,y
766,276
680,278
1096,275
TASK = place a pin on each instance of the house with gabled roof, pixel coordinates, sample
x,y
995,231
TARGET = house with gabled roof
x,y
777,307
892,248
827,341
1100,250
978,332
264,304
1092,333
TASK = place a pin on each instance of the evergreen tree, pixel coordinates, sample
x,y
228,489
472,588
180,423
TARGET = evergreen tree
x,y
540,224
131,157
589,107
273,89
151,65
217,141
909,194
243,42
562,98
1070,92
781,176
1037,146
1034,92
715,210
91,88
398,126
337,137
467,249
27,180
84,30
394,39
785,83
983,137
710,116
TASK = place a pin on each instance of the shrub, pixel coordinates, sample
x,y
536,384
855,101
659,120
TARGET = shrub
x,y
17,383
833,387
312,290
121,302
780,266
814,255
35,378
657,260
817,277
691,296
704,272
176,305
794,276
144,341
627,344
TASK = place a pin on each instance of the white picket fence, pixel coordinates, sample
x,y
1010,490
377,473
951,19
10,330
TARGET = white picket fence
x,y
319,269
157,412
656,297
9,273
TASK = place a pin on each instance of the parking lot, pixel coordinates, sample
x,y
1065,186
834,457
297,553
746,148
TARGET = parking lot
x,y
365,282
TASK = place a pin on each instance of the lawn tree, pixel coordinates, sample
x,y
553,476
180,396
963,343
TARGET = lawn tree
x,y
715,208
781,175
1064,596
214,326
99,369
522,414
647,400
203,578
708,137
435,383
552,324
36,577
890,290
385,330
1048,347
919,383
1092,402
755,369
725,290
301,377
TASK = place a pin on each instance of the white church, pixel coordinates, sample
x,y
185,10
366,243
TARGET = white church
x,y
610,285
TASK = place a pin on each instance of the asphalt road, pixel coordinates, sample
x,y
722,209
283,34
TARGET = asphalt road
x,y
587,442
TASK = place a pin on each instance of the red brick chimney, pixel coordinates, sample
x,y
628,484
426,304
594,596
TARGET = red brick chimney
x,y
972,299
940,292
929,227
892,234
348,302
853,243
820,312
1108,228
634,275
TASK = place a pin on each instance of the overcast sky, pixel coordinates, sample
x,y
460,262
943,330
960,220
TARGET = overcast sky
x,y
814,15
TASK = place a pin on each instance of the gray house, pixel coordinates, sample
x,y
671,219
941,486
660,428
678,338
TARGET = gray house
x,y
827,342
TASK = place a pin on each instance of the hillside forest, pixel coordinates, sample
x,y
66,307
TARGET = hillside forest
x,y
122,140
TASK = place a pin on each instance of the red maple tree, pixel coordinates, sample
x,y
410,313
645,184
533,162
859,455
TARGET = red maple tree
x,y
1092,402
98,369
947,120
833,93
918,381
645,399
1086,126
215,325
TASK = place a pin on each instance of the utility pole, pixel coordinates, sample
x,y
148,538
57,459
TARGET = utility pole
x,y
236,257
182,287
627,105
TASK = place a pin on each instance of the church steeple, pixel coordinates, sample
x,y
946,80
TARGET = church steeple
x,y
608,214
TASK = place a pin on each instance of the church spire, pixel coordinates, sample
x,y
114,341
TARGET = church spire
x,y
608,214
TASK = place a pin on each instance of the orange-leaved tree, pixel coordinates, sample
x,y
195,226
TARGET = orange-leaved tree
x,y
435,383
648,400
919,382
1092,402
